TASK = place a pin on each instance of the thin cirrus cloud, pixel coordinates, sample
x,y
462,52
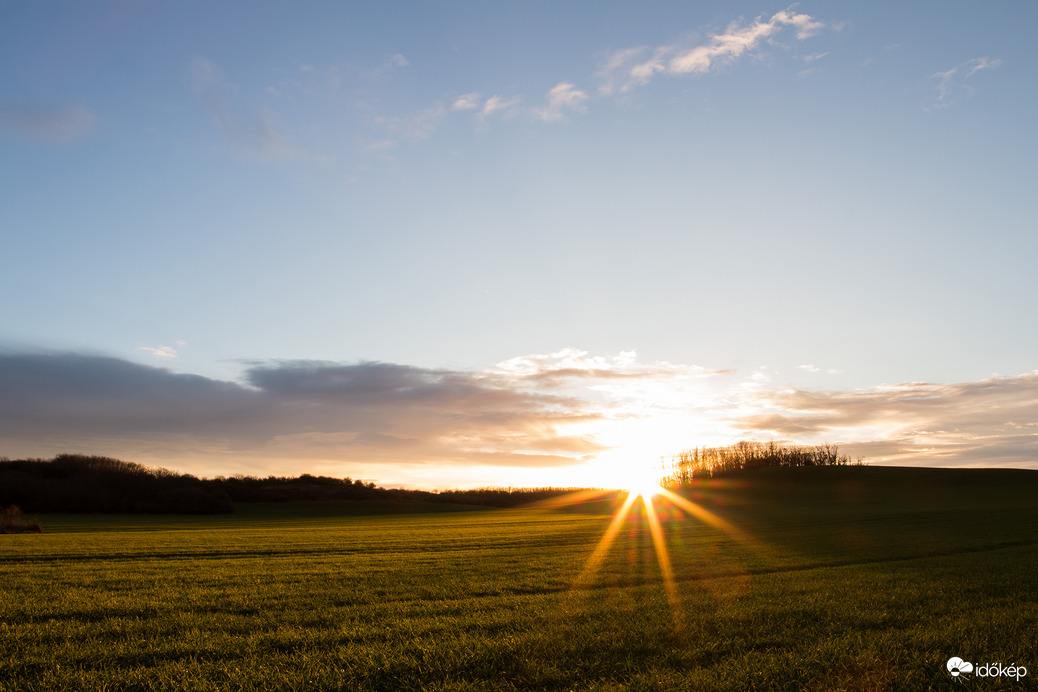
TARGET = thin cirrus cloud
x,y
55,124
258,135
951,83
420,125
499,104
253,135
570,364
619,73
628,68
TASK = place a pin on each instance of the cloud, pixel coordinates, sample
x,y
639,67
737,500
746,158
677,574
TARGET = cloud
x,y
466,102
74,399
613,71
485,108
419,125
951,83
162,351
47,123
539,411
252,135
498,104
362,413
394,63
570,364
619,72
981,64
990,422
628,68
563,98
381,145
815,369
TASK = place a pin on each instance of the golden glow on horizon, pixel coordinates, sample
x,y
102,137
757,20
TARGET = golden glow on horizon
x,y
642,480
645,488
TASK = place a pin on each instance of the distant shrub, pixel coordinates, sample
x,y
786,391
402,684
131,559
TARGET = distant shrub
x,y
708,462
11,521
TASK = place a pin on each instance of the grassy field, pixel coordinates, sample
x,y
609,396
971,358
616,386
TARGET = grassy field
x,y
841,578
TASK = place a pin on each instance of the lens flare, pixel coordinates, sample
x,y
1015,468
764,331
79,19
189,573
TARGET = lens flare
x,y
651,494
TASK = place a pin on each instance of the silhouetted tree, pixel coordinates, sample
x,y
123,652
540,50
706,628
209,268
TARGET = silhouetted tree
x,y
707,462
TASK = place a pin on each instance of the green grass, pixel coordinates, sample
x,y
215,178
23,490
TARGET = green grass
x,y
855,578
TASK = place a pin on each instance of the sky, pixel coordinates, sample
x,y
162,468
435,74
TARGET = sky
x,y
461,244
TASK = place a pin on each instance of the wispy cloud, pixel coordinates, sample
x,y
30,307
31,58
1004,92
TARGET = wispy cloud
x,y
253,135
486,107
161,351
48,123
619,72
571,364
499,104
466,102
628,68
419,125
811,368
563,99
386,69
950,83
381,145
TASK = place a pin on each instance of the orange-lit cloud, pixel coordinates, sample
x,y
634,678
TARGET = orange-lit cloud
x,y
587,419
991,422
628,68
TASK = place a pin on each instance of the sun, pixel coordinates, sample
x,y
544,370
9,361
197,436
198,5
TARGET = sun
x,y
626,470
643,483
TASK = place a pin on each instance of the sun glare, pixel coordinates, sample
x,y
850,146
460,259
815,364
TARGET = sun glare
x,y
640,480
645,488
642,484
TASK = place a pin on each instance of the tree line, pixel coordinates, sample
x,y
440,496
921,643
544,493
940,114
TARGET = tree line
x,y
707,462
84,483
81,483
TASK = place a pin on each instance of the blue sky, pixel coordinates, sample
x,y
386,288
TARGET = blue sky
x,y
634,227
